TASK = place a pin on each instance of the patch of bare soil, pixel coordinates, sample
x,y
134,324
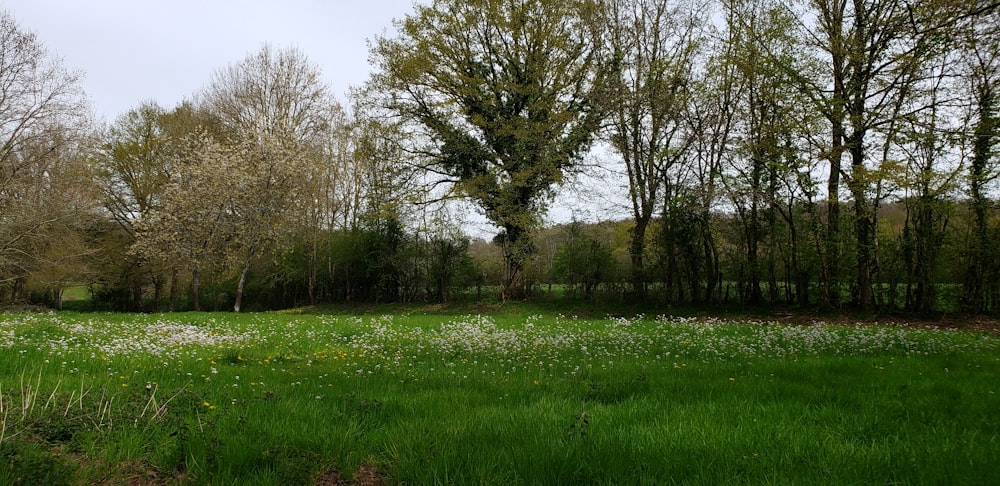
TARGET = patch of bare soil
x,y
137,473
366,475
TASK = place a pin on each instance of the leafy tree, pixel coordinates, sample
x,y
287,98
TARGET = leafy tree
x,y
133,167
874,51
504,94
980,48
449,265
583,261
762,176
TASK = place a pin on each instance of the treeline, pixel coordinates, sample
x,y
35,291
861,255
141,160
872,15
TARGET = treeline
x,y
812,153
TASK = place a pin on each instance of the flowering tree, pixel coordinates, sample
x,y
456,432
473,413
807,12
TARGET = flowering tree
x,y
277,115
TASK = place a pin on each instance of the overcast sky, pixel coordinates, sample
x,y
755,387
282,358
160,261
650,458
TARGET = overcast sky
x,y
166,50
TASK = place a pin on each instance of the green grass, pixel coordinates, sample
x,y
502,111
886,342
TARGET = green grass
x,y
77,293
510,399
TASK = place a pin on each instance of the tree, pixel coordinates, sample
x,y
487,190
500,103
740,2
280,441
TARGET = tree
x,y
505,94
764,163
276,111
44,129
874,51
193,223
928,181
980,42
583,261
656,42
133,165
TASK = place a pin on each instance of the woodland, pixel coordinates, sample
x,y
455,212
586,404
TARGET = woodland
x,y
771,154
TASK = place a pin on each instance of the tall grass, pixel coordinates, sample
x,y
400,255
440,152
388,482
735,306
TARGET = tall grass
x,y
426,399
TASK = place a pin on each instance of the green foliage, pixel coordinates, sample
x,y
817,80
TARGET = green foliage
x,y
583,261
506,93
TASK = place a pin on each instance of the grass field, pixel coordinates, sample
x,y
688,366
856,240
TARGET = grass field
x,y
509,399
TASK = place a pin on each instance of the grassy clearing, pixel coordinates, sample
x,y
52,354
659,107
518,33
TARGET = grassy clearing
x,y
426,399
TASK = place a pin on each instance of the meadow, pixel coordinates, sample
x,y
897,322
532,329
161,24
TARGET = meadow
x,y
504,399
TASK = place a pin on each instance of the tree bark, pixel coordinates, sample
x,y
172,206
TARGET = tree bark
x,y
978,273
637,250
196,288
243,278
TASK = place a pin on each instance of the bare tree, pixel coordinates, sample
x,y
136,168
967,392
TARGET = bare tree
x,y
656,41
44,128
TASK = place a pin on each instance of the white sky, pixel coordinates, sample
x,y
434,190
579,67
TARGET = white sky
x,y
167,50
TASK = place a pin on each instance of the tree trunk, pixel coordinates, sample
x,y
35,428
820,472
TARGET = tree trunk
x,y
57,298
831,255
137,296
516,250
863,226
978,272
173,289
864,212
833,24
157,292
313,271
196,288
243,278
637,250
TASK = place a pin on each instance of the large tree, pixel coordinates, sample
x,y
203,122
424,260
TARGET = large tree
x,y
656,42
980,41
193,222
44,128
764,165
277,113
133,165
504,93
874,51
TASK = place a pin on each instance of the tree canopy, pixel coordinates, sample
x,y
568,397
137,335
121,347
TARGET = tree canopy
x,y
505,96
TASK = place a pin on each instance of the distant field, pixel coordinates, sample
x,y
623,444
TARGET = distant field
x,y
80,292
418,399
